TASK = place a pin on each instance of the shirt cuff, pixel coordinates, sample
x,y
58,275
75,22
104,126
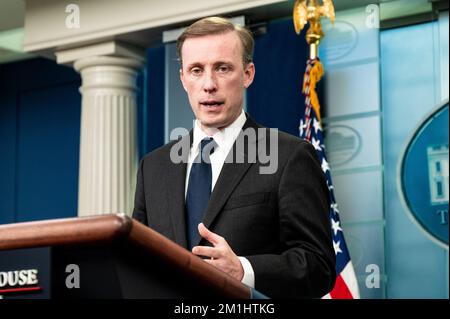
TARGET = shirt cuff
x,y
249,274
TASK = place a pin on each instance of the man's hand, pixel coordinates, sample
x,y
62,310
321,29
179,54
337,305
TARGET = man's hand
x,y
221,254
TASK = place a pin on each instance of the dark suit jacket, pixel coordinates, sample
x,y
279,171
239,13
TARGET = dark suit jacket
x,y
278,221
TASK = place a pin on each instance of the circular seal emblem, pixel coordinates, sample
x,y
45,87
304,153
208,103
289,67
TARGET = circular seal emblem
x,y
343,144
424,181
341,39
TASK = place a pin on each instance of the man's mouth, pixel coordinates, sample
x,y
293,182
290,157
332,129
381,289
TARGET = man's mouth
x,y
211,103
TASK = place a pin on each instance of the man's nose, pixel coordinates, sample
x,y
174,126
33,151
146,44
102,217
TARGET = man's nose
x,y
210,83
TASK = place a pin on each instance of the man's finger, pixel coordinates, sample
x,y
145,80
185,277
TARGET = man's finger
x,y
206,251
208,235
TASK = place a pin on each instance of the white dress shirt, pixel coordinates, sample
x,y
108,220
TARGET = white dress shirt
x,y
224,139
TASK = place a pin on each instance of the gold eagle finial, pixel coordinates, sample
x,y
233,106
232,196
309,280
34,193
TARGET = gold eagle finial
x,y
311,11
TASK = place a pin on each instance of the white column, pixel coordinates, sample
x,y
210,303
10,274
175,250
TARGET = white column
x,y
108,143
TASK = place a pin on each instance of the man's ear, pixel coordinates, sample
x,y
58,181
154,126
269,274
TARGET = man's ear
x,y
249,74
182,79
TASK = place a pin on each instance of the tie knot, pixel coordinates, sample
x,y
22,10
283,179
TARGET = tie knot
x,y
207,147
205,142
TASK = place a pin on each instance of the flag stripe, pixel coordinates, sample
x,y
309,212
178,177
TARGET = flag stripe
x,y
340,290
348,275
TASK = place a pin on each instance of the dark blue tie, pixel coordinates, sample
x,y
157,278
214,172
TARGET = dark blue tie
x,y
199,189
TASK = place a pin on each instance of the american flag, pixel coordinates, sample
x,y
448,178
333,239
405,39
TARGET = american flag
x,y
346,286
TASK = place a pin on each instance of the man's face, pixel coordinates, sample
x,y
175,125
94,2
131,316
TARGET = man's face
x,y
214,78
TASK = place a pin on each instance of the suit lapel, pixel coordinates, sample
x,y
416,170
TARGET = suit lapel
x,y
230,176
176,177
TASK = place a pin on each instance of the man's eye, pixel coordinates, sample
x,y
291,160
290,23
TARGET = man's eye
x,y
196,71
223,69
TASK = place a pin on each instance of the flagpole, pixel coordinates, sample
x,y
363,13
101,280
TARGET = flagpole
x,y
310,12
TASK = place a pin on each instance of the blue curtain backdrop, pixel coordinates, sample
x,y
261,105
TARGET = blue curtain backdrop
x,y
39,140
275,99
151,103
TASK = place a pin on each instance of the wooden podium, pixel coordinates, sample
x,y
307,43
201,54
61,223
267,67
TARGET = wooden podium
x,y
109,256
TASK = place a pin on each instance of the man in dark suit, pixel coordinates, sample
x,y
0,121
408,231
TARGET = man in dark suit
x,y
261,218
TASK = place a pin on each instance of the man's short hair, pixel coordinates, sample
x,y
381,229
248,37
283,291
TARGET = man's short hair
x,y
218,25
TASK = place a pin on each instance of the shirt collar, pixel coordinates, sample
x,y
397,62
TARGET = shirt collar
x,y
224,138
